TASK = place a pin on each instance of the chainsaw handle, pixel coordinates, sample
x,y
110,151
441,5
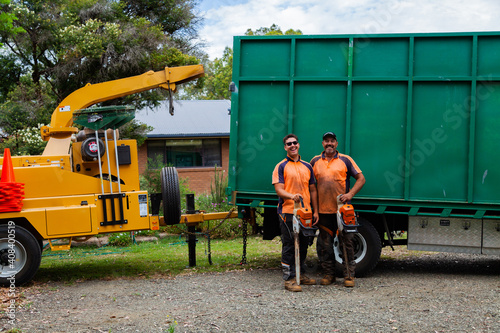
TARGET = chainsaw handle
x,y
302,202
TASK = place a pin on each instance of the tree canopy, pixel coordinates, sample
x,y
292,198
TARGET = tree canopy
x,y
6,19
272,30
215,84
70,43
54,47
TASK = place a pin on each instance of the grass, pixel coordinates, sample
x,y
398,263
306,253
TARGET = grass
x,y
167,257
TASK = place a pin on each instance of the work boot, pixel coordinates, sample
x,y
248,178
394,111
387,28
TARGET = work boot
x,y
292,285
306,281
349,282
327,280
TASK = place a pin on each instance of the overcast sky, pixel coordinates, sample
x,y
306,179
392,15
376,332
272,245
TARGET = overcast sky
x,y
224,19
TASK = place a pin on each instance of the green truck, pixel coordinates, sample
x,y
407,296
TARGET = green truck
x,y
419,113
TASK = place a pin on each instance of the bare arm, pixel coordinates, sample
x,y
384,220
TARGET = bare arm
x,y
314,202
280,191
360,181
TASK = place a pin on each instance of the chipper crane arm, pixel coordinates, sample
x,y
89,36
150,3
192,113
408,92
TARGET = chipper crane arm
x,y
58,133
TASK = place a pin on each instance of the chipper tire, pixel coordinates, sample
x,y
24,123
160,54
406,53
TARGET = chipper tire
x,y
20,255
171,196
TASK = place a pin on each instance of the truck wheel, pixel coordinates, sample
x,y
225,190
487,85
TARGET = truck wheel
x,y
367,249
20,255
170,195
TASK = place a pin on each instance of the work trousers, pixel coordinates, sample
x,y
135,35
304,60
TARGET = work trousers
x,y
326,254
288,248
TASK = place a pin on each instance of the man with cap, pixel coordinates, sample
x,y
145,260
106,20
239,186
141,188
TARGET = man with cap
x,y
333,171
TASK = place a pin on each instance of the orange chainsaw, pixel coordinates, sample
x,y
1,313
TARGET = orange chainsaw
x,y
347,222
346,217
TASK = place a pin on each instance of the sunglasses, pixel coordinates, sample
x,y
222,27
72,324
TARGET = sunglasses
x,y
292,143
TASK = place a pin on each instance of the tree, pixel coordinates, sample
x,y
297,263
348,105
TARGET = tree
x,y
7,19
218,74
215,83
61,45
10,72
72,43
272,30
176,17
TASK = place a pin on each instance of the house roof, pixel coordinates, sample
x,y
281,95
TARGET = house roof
x,y
191,119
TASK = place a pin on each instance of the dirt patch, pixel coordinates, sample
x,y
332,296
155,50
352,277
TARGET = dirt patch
x,y
407,292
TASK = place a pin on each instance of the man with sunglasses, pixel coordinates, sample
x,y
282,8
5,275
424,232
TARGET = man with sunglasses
x,y
333,172
293,179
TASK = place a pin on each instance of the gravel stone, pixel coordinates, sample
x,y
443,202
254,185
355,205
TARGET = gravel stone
x,y
406,292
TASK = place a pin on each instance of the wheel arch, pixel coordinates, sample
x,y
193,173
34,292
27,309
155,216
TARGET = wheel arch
x,y
23,222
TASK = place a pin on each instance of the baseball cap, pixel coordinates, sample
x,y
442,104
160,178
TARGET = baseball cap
x,y
327,134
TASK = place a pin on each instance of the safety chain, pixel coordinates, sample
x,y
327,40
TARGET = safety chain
x,y
245,234
209,249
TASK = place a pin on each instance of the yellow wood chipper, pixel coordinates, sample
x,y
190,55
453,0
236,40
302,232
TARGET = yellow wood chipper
x,y
86,182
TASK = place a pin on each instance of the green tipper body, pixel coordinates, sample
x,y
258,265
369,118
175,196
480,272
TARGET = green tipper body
x,y
419,113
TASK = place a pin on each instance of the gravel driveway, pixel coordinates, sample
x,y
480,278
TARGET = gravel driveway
x,y
408,292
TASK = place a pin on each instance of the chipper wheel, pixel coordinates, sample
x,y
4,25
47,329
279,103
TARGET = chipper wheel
x,y
171,196
20,255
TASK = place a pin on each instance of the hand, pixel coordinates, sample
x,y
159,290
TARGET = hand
x,y
296,197
315,218
346,197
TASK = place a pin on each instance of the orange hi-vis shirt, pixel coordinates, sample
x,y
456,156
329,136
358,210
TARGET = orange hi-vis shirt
x,y
333,178
296,176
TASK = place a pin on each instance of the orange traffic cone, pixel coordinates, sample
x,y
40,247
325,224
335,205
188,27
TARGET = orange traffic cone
x,y
11,193
7,168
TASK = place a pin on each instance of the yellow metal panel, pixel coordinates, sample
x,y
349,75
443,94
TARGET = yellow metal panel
x,y
131,211
129,173
61,161
68,220
60,201
56,145
34,216
52,181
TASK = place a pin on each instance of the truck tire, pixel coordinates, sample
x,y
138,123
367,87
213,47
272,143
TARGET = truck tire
x,y
367,249
24,250
171,196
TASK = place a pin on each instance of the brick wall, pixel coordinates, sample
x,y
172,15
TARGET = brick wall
x,y
142,156
200,178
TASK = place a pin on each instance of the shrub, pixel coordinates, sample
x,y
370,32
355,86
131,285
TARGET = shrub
x,y
218,187
120,239
147,233
150,180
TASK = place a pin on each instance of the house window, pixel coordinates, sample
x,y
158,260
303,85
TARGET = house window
x,y
186,153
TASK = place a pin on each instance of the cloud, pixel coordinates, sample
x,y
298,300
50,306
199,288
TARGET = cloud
x,y
346,17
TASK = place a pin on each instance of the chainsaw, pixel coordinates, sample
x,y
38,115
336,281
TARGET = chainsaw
x,y
302,222
347,222
346,217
